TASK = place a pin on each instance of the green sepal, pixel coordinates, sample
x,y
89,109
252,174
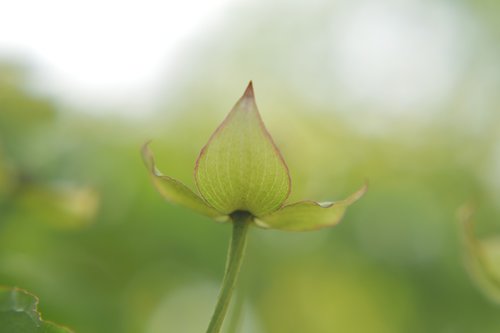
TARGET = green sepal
x,y
309,215
19,313
176,192
240,168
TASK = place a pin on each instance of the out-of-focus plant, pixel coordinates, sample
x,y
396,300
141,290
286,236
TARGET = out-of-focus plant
x,y
25,118
242,178
482,255
19,313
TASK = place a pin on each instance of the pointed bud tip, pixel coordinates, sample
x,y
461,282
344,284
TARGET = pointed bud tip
x,y
249,91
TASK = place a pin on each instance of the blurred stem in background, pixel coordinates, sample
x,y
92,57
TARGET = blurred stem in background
x,y
236,251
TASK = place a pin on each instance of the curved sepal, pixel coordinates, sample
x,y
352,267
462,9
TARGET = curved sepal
x,y
175,192
309,215
240,167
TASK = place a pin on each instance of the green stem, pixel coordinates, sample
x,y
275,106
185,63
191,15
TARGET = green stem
x,y
241,222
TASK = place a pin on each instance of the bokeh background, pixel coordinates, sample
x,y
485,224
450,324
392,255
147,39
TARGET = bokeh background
x,y
402,92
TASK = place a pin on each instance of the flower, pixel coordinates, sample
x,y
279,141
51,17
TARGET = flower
x,y
240,169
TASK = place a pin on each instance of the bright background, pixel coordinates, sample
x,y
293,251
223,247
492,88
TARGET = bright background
x,y
402,92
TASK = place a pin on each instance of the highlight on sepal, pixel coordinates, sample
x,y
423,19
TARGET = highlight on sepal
x,y
481,256
309,215
176,192
240,168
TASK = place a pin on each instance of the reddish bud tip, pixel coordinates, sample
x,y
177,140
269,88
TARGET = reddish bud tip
x,y
249,91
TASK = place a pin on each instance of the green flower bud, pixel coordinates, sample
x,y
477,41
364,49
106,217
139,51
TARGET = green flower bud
x,y
240,169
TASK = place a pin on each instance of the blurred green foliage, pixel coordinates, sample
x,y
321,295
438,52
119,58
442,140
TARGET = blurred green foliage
x,y
82,227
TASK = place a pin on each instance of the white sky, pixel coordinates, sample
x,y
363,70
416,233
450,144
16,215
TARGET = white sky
x,y
399,56
394,55
101,51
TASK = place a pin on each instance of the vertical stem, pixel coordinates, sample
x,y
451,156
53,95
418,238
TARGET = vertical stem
x,y
235,255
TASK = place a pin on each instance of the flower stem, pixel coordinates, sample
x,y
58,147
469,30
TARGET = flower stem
x,y
236,251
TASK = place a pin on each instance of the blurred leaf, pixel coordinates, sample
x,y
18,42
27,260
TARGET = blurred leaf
x,y
176,192
482,256
240,168
19,314
62,205
79,202
309,215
